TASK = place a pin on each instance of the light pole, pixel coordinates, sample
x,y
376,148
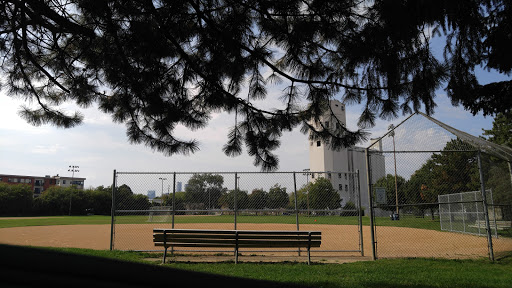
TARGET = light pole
x,y
162,199
392,134
307,182
73,169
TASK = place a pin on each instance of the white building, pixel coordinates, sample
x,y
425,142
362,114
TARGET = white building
x,y
64,181
341,166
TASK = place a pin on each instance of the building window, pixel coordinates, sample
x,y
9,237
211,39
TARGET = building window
x,y
318,143
342,107
63,181
339,175
340,187
312,175
345,176
329,175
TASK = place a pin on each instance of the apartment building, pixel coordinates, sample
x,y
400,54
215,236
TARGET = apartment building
x,y
41,183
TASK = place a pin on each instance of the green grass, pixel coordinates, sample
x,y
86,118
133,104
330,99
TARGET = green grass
x,y
405,221
381,273
413,222
53,220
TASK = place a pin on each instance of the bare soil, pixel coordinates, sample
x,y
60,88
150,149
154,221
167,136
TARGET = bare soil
x,y
391,241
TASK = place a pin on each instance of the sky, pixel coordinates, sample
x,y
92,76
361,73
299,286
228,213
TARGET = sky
x,y
99,146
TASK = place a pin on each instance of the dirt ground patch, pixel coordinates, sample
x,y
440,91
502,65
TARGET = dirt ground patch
x,y
391,241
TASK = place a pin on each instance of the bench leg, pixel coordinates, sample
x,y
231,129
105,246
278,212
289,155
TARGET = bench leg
x,y
309,255
165,254
236,247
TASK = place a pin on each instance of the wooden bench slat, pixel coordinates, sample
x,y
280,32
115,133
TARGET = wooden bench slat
x,y
268,244
289,242
170,237
240,232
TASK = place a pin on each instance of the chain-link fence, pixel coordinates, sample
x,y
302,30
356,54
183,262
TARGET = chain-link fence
x,y
441,193
237,201
464,213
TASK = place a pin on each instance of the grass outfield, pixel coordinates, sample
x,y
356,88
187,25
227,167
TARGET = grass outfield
x,y
381,273
412,222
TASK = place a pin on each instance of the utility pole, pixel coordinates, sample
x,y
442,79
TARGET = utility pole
x,y
392,134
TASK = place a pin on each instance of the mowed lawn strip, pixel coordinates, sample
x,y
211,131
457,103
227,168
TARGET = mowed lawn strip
x,y
411,222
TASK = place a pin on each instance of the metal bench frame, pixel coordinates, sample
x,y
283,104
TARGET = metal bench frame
x,y
236,239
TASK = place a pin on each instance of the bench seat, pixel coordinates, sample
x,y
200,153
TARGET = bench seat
x,y
236,239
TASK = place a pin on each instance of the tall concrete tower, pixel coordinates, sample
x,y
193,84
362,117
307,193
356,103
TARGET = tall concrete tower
x,y
340,166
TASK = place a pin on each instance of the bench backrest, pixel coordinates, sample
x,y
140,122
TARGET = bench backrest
x,y
236,238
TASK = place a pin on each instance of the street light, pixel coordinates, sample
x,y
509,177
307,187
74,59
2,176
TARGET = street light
x,y
161,203
307,173
392,134
73,169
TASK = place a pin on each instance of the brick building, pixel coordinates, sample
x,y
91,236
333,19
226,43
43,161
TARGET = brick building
x,y
41,183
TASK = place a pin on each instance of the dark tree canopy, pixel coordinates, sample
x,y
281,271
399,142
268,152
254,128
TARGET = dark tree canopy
x,y
153,65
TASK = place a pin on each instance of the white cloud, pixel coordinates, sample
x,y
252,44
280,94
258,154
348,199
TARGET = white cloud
x,y
43,149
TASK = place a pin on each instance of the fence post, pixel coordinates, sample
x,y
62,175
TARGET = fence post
x,y
234,196
173,199
494,215
112,211
296,205
359,213
486,212
370,203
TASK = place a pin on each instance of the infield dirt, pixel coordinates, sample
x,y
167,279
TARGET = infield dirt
x,y
391,241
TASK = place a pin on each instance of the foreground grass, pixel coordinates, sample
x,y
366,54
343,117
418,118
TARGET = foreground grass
x,y
381,273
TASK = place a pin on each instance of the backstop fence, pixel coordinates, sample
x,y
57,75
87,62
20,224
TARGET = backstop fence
x,y
439,193
238,201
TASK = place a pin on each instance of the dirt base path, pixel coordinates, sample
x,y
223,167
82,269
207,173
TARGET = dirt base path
x,y
391,241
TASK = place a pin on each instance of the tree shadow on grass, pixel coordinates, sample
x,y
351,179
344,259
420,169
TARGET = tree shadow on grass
x,y
36,267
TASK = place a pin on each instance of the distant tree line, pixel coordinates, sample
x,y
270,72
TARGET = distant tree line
x,y
18,200
206,192
203,192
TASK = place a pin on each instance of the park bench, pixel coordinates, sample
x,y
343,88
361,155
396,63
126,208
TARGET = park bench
x,y
500,224
236,239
